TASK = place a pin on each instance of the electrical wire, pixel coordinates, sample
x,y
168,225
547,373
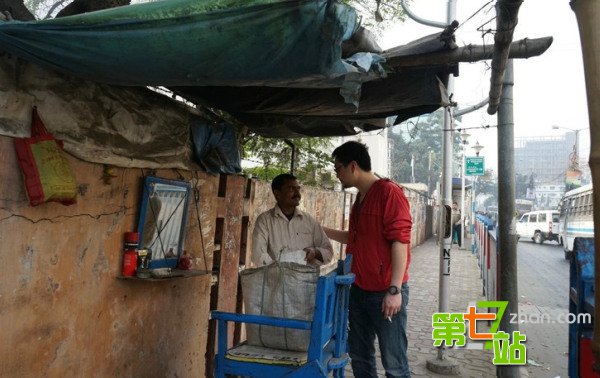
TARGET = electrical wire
x,y
474,14
459,129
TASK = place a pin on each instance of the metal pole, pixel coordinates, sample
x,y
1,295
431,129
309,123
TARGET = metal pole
x,y
462,197
412,168
429,176
577,148
293,157
443,364
445,209
472,228
506,233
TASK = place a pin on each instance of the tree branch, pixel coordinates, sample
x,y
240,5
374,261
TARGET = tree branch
x,y
17,10
53,7
506,21
84,6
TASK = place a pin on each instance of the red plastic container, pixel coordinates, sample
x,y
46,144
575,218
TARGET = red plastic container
x,y
130,254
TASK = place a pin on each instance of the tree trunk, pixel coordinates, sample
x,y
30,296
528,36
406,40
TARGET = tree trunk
x,y
84,6
506,21
17,10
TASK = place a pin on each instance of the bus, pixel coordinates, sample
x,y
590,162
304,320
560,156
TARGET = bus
x,y
576,217
523,206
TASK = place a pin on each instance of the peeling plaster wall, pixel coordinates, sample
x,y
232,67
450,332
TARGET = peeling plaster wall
x,y
124,126
63,312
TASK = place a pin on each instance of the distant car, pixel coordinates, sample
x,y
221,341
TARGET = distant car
x,y
539,225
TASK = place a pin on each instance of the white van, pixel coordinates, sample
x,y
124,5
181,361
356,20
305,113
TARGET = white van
x,y
539,225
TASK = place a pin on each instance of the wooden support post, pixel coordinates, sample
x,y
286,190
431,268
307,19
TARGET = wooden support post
x,y
587,12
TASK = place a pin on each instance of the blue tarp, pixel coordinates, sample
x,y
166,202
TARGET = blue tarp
x,y
215,146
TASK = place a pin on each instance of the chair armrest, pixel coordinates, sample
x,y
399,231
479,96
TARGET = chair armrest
x,y
346,279
261,319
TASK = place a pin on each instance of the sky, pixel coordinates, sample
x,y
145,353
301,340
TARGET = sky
x,y
549,89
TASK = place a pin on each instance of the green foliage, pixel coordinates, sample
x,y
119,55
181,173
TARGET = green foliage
x,y
419,138
390,11
488,184
313,159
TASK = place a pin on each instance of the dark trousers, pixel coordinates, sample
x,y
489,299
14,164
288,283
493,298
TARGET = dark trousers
x,y
367,321
456,233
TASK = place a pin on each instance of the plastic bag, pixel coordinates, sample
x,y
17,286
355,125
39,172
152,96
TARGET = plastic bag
x,y
47,175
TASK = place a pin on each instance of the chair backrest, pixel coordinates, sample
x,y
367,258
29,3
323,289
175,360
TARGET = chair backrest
x,y
331,313
328,334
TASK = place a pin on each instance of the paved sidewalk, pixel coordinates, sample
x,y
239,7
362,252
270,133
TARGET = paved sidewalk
x,y
465,288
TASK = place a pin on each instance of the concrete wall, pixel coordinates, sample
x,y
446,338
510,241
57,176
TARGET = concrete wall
x,y
63,312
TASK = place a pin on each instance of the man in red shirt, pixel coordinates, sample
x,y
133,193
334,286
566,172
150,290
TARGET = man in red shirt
x,y
379,240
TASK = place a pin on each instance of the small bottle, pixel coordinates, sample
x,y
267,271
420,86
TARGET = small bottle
x,y
130,255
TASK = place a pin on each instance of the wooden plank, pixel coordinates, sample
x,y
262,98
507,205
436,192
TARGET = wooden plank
x,y
230,246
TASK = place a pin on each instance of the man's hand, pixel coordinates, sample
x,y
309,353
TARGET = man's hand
x,y
312,254
391,304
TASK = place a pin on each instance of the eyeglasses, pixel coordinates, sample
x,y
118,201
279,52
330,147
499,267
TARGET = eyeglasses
x,y
338,167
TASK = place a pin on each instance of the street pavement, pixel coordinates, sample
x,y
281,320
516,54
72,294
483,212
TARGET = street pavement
x,y
465,288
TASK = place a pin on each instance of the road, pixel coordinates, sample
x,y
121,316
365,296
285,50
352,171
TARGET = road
x,y
543,302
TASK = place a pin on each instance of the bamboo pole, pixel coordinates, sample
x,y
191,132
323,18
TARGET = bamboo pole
x,y
588,13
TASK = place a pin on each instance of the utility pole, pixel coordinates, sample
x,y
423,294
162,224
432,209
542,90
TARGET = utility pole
x,y
506,231
293,156
464,137
477,147
412,168
443,364
430,153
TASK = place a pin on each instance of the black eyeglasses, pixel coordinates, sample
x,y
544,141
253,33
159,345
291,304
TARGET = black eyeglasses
x,y
337,167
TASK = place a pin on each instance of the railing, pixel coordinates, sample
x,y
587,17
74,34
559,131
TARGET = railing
x,y
485,247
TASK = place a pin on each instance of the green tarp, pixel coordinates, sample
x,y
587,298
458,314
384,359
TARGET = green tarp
x,y
276,66
193,43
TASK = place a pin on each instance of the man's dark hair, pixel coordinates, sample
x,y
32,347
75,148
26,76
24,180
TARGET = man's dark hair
x,y
279,180
353,151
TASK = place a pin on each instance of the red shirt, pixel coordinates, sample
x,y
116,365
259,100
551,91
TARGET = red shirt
x,y
382,218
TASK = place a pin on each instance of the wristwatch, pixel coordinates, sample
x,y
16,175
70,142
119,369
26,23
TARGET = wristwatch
x,y
394,290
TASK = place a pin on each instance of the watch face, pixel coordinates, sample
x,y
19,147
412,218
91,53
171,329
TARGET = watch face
x,y
393,290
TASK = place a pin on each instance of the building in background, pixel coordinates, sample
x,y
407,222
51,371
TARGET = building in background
x,y
377,142
544,157
550,162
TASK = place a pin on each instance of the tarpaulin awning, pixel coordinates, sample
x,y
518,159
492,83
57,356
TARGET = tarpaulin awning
x,y
276,66
190,43
287,112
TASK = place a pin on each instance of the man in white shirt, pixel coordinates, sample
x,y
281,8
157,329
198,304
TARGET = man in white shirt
x,y
285,228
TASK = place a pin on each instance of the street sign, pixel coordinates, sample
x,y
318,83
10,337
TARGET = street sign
x,y
474,166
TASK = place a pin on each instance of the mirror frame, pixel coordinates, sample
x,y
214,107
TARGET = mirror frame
x,y
176,220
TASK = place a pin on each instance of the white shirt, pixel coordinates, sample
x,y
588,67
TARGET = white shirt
x,y
274,234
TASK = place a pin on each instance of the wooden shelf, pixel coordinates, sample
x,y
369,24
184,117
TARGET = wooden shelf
x,y
175,273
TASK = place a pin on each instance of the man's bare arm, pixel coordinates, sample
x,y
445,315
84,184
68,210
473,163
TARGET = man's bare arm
x,y
340,236
391,303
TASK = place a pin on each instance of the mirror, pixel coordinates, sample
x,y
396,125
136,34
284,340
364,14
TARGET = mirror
x,y
163,219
